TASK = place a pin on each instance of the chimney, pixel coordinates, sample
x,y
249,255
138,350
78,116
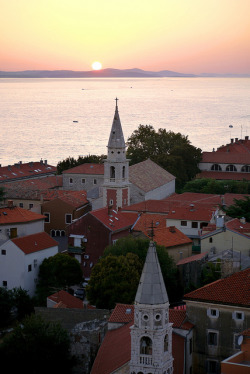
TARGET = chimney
x,y
236,139
172,229
10,203
243,220
191,207
246,137
232,141
45,162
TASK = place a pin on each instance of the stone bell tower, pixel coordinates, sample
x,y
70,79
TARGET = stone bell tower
x,y
116,191
151,334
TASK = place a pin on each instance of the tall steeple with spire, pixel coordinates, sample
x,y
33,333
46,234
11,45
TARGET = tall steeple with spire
x,y
151,334
116,191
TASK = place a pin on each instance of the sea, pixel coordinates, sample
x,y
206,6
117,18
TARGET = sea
x,y
52,119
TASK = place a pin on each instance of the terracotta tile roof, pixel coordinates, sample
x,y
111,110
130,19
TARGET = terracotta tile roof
x,y
25,170
74,198
223,175
114,352
35,242
87,168
64,299
192,258
122,313
166,236
236,146
196,213
236,225
225,157
34,188
114,220
18,215
147,175
233,290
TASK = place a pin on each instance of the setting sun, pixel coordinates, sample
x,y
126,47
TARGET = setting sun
x,y
96,65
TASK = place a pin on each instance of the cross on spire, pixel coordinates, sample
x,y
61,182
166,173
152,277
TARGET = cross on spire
x,y
116,102
151,233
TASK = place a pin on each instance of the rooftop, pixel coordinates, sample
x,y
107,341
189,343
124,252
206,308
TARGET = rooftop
x,y
66,300
10,215
35,242
25,170
87,168
232,290
114,220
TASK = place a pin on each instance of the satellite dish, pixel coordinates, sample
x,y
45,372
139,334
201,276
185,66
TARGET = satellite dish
x,y
240,339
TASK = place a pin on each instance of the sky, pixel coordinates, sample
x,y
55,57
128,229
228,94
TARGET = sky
x,y
187,36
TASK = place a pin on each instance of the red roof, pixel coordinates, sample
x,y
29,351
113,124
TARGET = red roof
x,y
192,258
26,170
114,220
35,242
237,225
226,157
66,300
122,313
198,212
223,175
233,290
236,146
86,168
18,215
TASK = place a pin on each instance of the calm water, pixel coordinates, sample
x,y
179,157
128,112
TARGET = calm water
x,y
37,114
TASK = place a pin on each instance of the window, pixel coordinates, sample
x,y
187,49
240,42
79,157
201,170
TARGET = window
x,y
31,206
5,283
29,267
216,167
231,168
245,169
3,251
123,172
94,181
210,240
83,180
70,180
212,366
183,223
213,313
35,263
68,218
166,343
146,346
47,217
21,205
13,232
238,316
112,172
111,202
212,338
194,225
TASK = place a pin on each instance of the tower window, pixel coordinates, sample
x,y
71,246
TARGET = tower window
x,y
123,172
112,172
166,343
146,346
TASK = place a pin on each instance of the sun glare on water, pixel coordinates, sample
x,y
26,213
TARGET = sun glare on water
x,y
96,65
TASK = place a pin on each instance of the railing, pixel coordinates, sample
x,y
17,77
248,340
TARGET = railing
x,y
146,360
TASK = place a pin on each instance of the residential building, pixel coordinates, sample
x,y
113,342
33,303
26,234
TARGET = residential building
x,y
86,177
177,244
63,210
231,161
63,299
220,311
31,193
190,270
226,235
21,258
94,231
16,222
239,363
21,171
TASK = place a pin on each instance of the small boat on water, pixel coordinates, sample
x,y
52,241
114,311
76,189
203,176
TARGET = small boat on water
x,y
75,121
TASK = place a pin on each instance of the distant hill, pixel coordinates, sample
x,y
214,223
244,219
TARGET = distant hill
x,y
104,73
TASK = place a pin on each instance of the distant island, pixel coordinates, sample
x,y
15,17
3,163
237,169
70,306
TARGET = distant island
x,y
107,73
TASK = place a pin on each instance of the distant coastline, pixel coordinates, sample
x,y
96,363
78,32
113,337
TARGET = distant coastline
x,y
110,73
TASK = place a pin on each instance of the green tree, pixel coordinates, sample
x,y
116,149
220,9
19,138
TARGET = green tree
x,y
172,151
71,162
241,208
6,303
23,303
35,347
57,272
139,246
114,279
208,185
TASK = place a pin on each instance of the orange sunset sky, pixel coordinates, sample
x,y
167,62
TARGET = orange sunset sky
x,y
188,36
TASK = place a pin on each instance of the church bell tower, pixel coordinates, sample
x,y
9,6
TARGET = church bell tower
x,y
151,334
116,191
